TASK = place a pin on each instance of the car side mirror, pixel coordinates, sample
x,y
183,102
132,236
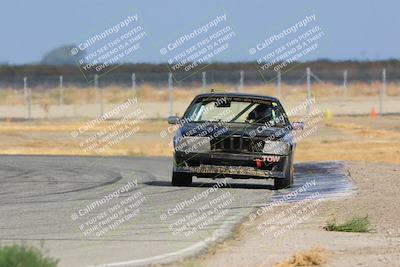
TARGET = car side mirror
x,y
173,119
298,125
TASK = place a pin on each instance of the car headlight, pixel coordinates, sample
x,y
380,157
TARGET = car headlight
x,y
276,148
190,144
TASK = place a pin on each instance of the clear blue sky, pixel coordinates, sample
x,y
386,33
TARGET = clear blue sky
x,y
357,29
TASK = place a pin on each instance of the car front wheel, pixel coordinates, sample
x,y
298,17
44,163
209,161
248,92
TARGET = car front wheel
x,y
287,181
181,179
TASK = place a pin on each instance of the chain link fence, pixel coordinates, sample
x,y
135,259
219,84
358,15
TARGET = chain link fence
x,y
41,96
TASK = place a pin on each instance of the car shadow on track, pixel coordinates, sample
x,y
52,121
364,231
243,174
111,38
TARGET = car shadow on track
x,y
211,184
324,173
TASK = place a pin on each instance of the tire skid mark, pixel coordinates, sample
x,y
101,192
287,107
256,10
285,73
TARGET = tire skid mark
x,y
331,181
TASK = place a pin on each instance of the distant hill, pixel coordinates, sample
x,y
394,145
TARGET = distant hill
x,y
60,56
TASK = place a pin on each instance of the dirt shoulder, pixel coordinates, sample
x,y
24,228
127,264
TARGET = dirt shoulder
x,y
341,138
377,198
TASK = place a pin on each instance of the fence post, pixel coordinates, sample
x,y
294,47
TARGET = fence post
x,y
384,81
382,91
96,86
203,82
278,83
26,88
133,84
29,104
28,98
241,81
171,94
308,88
61,90
345,83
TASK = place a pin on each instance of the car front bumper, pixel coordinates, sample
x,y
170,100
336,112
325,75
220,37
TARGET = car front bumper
x,y
217,165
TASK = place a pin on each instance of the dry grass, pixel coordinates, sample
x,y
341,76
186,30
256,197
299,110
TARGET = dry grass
x,y
337,140
68,127
11,97
312,257
366,132
368,144
54,138
376,152
145,92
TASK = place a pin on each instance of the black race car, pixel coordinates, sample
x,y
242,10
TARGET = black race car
x,y
234,135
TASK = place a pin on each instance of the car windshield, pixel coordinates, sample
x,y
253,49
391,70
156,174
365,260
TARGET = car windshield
x,y
236,110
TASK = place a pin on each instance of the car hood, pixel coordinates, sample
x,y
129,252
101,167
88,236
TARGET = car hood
x,y
209,129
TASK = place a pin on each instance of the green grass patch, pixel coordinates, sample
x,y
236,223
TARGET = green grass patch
x,y
24,256
355,225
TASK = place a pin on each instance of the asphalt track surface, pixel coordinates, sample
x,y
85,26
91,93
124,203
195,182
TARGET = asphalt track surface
x,y
42,199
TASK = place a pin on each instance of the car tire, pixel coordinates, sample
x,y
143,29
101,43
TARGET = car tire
x,y
181,179
281,183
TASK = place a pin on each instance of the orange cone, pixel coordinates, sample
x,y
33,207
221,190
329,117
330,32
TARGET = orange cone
x,y
373,113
